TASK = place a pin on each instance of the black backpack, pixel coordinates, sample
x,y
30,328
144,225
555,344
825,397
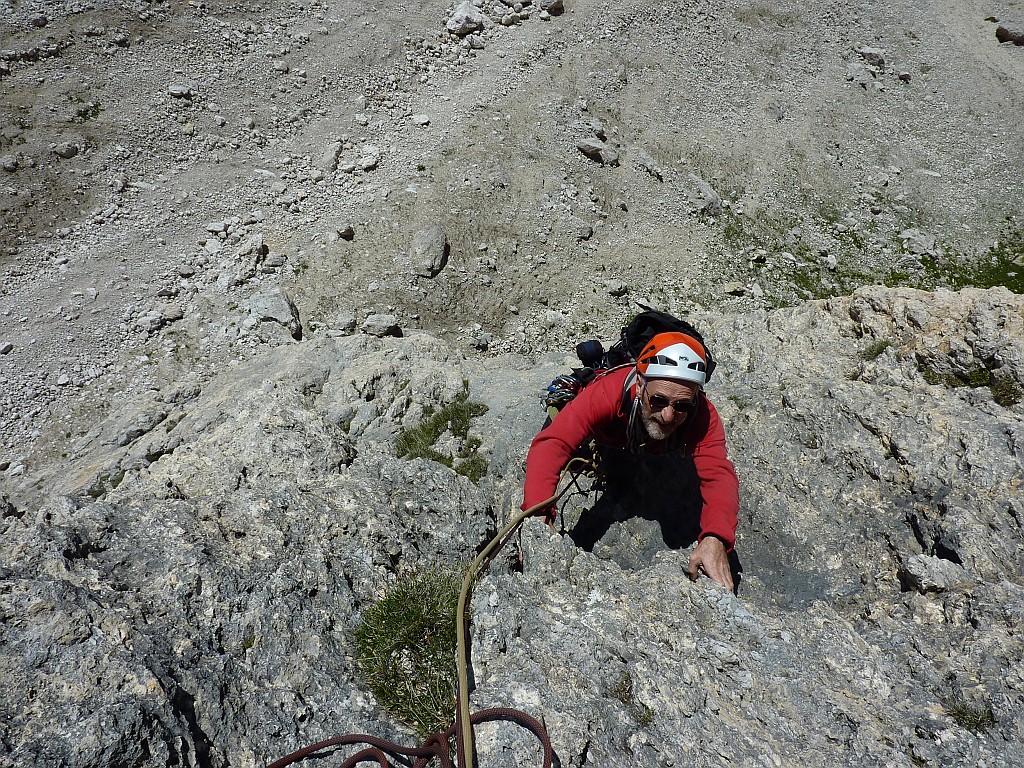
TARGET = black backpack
x,y
597,360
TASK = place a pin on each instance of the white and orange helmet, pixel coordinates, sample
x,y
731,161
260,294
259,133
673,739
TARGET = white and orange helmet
x,y
674,356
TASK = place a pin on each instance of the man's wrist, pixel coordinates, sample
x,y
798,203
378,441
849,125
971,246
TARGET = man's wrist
x,y
718,538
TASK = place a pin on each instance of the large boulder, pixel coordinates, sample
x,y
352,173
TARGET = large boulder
x,y
187,594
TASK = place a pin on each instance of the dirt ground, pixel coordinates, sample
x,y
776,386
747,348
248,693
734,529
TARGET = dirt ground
x,y
165,167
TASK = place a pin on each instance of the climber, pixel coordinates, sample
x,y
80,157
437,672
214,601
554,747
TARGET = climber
x,y
655,407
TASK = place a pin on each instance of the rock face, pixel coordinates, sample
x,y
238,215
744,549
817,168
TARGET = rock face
x,y
186,591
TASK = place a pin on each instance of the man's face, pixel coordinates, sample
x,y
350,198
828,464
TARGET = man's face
x,y
665,404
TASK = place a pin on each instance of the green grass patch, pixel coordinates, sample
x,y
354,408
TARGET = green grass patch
x,y
622,689
1005,390
875,349
406,650
456,417
966,715
1001,265
979,377
87,111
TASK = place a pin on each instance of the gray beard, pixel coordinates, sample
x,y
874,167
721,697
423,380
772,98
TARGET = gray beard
x,y
655,430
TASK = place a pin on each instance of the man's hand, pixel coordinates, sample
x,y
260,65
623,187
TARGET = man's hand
x,y
711,558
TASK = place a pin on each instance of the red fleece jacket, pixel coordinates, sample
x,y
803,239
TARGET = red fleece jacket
x,y
598,413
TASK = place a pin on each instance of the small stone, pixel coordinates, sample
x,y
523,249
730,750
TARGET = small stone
x,y
381,325
421,120
39,21
66,150
734,289
617,288
553,7
1012,32
466,19
429,251
180,91
597,150
476,42
275,305
343,324
705,199
6,348
904,77
918,243
873,56
347,233
171,313
482,340
331,155
281,67
856,72
649,164
925,573
9,163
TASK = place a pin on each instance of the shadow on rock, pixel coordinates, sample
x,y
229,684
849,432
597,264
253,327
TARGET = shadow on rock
x,y
648,504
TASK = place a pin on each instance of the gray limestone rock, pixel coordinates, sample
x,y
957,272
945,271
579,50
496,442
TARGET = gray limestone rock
x,y
598,150
466,19
379,324
189,596
181,91
1010,32
649,164
429,251
875,57
705,199
66,150
926,573
276,306
918,243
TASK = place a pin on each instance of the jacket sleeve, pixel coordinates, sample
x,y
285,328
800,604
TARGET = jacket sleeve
x,y
719,485
551,449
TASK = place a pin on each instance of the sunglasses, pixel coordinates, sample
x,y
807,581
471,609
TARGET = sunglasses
x,y
659,403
